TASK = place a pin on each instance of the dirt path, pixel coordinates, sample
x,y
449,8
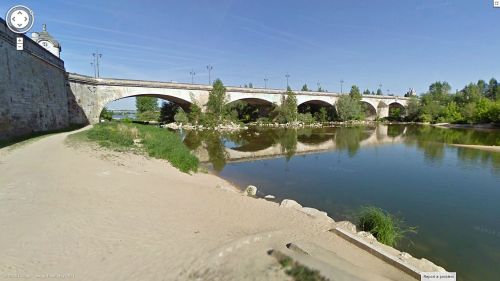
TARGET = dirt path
x,y
88,214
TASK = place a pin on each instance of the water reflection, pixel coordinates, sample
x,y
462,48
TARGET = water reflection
x,y
218,149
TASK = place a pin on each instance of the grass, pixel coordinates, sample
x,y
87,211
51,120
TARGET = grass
x,y
155,142
387,228
300,272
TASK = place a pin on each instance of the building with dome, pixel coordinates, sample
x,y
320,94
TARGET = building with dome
x,y
47,41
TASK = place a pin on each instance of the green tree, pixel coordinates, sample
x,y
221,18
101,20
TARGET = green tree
x,y
493,92
355,93
440,92
168,111
366,92
348,108
217,100
379,92
195,113
287,111
305,88
413,109
452,113
144,104
106,114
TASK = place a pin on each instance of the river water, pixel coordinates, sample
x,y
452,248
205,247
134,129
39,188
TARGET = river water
x,y
451,194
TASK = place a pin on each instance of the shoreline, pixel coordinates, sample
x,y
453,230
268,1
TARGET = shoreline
x,y
479,127
490,148
130,203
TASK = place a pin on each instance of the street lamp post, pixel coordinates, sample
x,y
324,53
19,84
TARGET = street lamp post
x,y
287,76
93,68
192,73
341,86
265,82
97,58
209,68
319,85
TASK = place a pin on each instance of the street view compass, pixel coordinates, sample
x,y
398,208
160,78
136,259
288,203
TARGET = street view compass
x,y
20,19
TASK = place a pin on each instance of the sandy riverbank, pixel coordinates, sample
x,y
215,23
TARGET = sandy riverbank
x,y
92,214
491,148
485,127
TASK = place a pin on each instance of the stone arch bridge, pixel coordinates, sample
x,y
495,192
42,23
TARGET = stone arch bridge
x,y
91,95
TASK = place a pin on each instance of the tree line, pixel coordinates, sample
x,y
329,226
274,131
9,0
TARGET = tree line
x,y
475,103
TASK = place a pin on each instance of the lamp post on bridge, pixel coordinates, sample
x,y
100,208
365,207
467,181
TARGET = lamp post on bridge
x,y
192,73
265,82
287,76
93,68
341,86
96,64
209,68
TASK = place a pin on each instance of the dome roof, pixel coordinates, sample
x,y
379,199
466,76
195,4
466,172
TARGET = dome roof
x,y
45,36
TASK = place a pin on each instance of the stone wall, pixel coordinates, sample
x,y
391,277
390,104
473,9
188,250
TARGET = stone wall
x,y
33,94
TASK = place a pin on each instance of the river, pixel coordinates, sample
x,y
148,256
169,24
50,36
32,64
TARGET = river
x,y
451,194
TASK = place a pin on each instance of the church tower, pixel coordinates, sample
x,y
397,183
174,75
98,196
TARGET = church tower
x,y
47,41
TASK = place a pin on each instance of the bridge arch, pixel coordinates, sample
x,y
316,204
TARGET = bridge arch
x,y
315,106
180,101
369,109
250,109
396,110
253,97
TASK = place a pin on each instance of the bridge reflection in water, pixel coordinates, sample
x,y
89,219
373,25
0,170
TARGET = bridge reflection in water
x,y
264,143
267,143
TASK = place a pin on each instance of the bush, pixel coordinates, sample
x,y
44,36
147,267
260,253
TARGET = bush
x,y
385,227
181,116
106,114
148,116
349,108
306,118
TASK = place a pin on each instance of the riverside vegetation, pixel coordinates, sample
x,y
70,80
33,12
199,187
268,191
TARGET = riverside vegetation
x,y
153,141
475,103
387,228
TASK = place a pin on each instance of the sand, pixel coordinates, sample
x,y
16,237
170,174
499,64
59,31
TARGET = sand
x,y
491,148
85,213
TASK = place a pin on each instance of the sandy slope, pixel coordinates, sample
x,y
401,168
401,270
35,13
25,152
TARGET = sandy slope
x,y
99,215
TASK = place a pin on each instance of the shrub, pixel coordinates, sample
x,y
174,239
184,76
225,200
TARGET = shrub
x,y
385,227
181,116
106,114
349,108
306,118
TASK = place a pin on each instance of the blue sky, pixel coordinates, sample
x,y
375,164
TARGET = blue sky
x,y
396,43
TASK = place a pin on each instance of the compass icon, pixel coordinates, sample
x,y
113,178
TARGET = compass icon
x,y
20,19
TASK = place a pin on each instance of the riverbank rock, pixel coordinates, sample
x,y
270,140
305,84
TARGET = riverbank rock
x,y
347,225
313,212
367,236
251,190
269,196
289,203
